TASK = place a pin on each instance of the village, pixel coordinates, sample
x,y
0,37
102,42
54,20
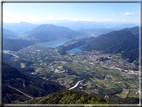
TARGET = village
x,y
100,71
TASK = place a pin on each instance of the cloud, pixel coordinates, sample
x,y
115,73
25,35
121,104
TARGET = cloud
x,y
127,13
124,20
52,17
80,19
13,17
131,14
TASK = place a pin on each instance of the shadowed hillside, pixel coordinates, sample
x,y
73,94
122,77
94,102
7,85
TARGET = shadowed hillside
x,y
17,86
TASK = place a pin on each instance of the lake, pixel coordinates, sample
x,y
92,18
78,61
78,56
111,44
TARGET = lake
x,y
56,43
75,50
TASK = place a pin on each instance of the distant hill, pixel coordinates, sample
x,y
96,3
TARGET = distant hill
x,y
14,80
19,27
95,32
76,25
12,41
122,41
122,26
9,34
48,32
15,44
67,97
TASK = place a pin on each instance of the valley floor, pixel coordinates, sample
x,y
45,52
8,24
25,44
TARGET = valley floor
x,y
106,75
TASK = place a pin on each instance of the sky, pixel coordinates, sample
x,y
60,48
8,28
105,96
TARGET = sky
x,y
42,12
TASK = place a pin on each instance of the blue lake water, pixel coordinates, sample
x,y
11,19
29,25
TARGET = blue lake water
x,y
75,50
54,44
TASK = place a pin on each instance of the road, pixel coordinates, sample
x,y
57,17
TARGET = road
x,y
57,51
7,52
75,85
20,92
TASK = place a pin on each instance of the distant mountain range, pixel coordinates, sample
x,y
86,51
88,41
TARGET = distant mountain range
x,y
95,32
74,25
9,34
19,27
123,41
77,25
122,26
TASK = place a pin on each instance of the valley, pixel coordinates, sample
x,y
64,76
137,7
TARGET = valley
x,y
50,58
74,53
105,75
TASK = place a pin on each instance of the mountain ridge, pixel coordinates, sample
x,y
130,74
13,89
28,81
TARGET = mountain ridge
x,y
115,42
20,27
48,32
67,97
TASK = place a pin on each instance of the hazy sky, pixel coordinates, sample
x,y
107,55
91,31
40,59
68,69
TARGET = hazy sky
x,y
37,12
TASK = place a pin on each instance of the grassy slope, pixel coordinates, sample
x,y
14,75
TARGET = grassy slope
x,y
67,97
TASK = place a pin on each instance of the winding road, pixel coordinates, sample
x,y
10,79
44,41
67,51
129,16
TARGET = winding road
x,y
20,92
75,85
7,52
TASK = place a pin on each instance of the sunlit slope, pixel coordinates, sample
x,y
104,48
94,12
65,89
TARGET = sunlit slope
x,y
123,41
67,97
